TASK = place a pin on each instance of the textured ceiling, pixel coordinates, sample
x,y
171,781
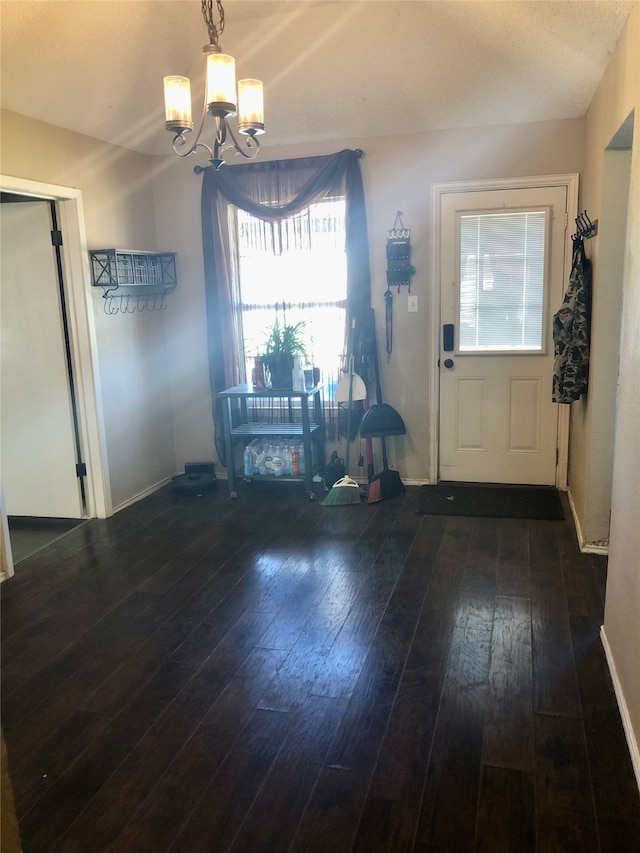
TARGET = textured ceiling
x,y
332,70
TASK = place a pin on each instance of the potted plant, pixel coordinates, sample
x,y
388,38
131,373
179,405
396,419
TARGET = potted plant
x,y
281,344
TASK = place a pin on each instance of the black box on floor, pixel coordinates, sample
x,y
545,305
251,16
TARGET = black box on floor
x,y
198,478
207,468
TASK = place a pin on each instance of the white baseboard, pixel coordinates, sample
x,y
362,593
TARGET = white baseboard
x,y
144,494
585,546
632,742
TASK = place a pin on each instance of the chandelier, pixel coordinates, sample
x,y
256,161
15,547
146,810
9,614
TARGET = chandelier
x,y
220,101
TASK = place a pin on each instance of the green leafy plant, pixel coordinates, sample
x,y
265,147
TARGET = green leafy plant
x,y
285,340
281,344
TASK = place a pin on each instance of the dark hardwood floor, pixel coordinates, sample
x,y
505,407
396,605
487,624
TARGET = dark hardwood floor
x,y
266,675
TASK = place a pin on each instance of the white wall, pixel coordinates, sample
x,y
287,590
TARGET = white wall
x,y
132,357
398,172
177,205
617,96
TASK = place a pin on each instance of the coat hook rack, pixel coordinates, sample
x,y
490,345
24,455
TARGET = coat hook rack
x,y
120,303
586,228
133,281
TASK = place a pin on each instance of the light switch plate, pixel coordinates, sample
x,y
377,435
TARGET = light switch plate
x,y
412,304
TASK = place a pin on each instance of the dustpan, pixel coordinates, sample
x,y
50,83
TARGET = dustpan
x,y
381,420
342,389
351,386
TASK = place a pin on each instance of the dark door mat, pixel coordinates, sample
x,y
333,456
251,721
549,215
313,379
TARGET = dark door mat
x,y
539,502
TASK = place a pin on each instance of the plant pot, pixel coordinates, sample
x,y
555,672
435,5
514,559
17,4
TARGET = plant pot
x,y
280,368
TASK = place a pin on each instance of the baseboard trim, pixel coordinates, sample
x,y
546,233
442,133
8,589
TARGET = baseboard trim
x,y
585,546
632,743
144,494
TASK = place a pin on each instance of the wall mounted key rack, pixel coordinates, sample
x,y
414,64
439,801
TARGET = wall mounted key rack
x,y
399,267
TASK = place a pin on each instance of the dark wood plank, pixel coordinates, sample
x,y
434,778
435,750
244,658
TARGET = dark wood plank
x,y
220,811
448,811
564,809
392,805
40,687
508,735
316,607
332,816
166,808
615,790
585,576
340,669
124,790
102,588
65,560
125,636
512,575
273,817
453,548
399,541
52,713
506,812
74,789
555,685
36,776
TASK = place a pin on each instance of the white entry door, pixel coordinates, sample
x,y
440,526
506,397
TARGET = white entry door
x,y
36,426
502,278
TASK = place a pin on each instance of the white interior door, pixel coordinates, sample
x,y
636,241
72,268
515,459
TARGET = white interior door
x,y
502,277
36,422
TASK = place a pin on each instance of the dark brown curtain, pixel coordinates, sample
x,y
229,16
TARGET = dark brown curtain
x,y
274,190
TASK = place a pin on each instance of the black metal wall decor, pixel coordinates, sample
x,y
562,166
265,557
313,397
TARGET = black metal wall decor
x,y
133,281
399,271
399,268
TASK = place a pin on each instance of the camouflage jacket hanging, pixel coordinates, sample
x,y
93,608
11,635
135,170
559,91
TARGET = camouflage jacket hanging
x,y
571,332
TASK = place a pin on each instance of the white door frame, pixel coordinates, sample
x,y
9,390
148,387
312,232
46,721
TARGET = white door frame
x,y
77,276
570,181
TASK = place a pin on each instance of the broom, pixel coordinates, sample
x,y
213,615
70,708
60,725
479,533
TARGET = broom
x,y
386,484
345,490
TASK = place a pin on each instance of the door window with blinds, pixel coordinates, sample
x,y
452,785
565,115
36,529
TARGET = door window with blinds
x,y
294,270
502,281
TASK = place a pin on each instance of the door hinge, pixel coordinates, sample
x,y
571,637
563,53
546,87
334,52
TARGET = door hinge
x,y
557,455
56,238
566,219
81,469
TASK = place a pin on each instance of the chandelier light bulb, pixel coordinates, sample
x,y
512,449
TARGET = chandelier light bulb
x,y
177,104
250,106
221,84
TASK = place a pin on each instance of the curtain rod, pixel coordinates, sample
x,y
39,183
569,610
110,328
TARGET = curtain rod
x,y
256,164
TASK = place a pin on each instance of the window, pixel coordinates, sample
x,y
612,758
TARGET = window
x,y
502,272
295,270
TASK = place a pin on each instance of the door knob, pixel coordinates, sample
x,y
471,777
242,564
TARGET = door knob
x,y
448,362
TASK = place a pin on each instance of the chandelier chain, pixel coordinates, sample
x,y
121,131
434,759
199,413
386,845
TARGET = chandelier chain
x,y
215,30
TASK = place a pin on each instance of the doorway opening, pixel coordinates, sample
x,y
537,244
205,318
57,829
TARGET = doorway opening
x,y
81,353
590,495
